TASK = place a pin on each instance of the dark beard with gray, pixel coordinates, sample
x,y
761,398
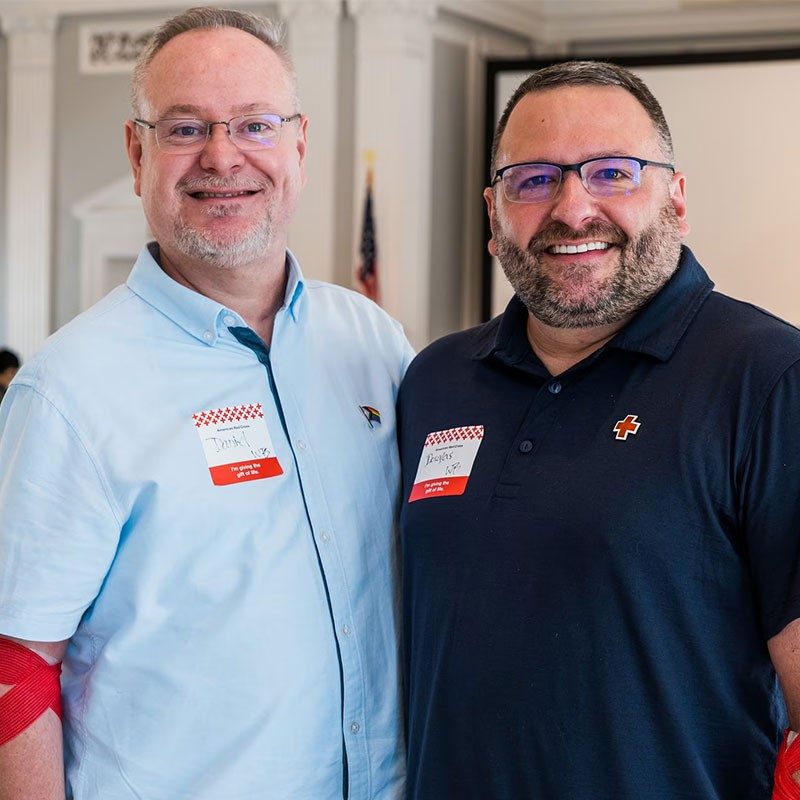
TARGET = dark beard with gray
x,y
646,263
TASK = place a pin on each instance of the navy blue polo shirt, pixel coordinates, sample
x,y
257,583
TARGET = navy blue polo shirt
x,y
589,619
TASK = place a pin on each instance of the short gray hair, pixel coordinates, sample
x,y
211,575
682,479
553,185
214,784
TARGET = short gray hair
x,y
207,18
588,73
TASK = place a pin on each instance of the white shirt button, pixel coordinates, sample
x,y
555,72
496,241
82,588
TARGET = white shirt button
x,y
208,336
347,630
325,536
355,727
301,445
229,320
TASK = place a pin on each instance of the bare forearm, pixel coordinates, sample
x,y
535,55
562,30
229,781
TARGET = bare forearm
x,y
32,764
32,761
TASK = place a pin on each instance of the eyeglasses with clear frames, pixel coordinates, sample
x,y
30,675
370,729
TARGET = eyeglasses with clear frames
x,y
247,132
537,182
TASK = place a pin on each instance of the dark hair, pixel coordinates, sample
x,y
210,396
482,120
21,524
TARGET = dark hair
x,y
587,73
208,18
8,360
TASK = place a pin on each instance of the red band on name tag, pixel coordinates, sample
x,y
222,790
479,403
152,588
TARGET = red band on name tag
x,y
35,687
440,487
245,471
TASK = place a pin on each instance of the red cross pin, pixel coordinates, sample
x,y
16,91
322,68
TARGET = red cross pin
x,y
625,426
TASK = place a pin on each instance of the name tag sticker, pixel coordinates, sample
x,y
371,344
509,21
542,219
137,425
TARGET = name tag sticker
x,y
446,462
237,444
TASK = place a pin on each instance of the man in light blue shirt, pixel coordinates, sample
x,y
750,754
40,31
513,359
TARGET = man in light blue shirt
x,y
198,476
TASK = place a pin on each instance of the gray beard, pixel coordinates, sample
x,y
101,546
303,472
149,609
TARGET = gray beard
x,y
223,253
220,251
645,265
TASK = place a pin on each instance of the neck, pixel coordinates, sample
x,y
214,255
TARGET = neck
x,y
254,291
562,348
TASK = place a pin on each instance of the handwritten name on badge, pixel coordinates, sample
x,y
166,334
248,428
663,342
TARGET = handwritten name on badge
x,y
446,462
237,444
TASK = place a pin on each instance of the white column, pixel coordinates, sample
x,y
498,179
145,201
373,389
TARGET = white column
x,y
313,41
29,177
394,99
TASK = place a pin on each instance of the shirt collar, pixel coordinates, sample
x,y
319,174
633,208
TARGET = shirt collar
x,y
197,314
660,325
656,329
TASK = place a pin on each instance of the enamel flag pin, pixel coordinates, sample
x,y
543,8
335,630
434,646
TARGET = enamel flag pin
x,y
372,415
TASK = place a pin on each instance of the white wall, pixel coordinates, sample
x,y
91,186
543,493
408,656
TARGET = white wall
x,y
3,56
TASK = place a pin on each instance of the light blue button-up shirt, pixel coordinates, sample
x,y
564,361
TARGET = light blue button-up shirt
x,y
228,642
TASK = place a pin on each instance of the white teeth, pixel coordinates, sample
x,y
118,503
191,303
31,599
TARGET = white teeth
x,y
568,249
221,194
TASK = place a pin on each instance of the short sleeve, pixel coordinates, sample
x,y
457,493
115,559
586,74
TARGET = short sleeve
x,y
58,528
770,504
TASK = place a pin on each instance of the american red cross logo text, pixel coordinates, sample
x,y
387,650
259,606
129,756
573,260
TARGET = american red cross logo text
x,y
625,426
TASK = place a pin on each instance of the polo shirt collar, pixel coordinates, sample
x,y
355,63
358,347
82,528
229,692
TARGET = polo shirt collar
x,y
660,325
197,314
656,329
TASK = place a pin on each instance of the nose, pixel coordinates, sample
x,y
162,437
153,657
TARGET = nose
x,y
220,154
573,204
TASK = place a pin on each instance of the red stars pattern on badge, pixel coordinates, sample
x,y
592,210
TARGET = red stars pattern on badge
x,y
442,437
228,414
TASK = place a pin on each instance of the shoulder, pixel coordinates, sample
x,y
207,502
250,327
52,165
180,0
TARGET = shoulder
x,y
451,355
745,331
341,301
82,345
352,315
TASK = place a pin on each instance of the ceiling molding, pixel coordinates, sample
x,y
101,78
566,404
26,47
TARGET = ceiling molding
x,y
515,17
556,23
548,24
700,22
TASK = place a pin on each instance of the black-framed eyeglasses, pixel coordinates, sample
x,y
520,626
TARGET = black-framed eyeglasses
x,y
536,182
247,132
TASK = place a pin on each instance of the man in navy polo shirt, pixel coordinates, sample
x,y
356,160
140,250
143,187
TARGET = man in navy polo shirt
x,y
601,531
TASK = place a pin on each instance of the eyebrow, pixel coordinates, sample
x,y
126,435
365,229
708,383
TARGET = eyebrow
x,y
596,154
195,111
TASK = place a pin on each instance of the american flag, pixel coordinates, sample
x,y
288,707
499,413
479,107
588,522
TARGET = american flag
x,y
367,273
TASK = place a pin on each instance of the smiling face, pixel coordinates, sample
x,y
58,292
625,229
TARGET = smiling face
x,y
223,207
579,261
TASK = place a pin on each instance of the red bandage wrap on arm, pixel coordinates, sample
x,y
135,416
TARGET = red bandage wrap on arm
x,y
788,763
35,687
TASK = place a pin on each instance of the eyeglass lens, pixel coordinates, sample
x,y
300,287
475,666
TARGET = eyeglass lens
x,y
601,177
249,132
